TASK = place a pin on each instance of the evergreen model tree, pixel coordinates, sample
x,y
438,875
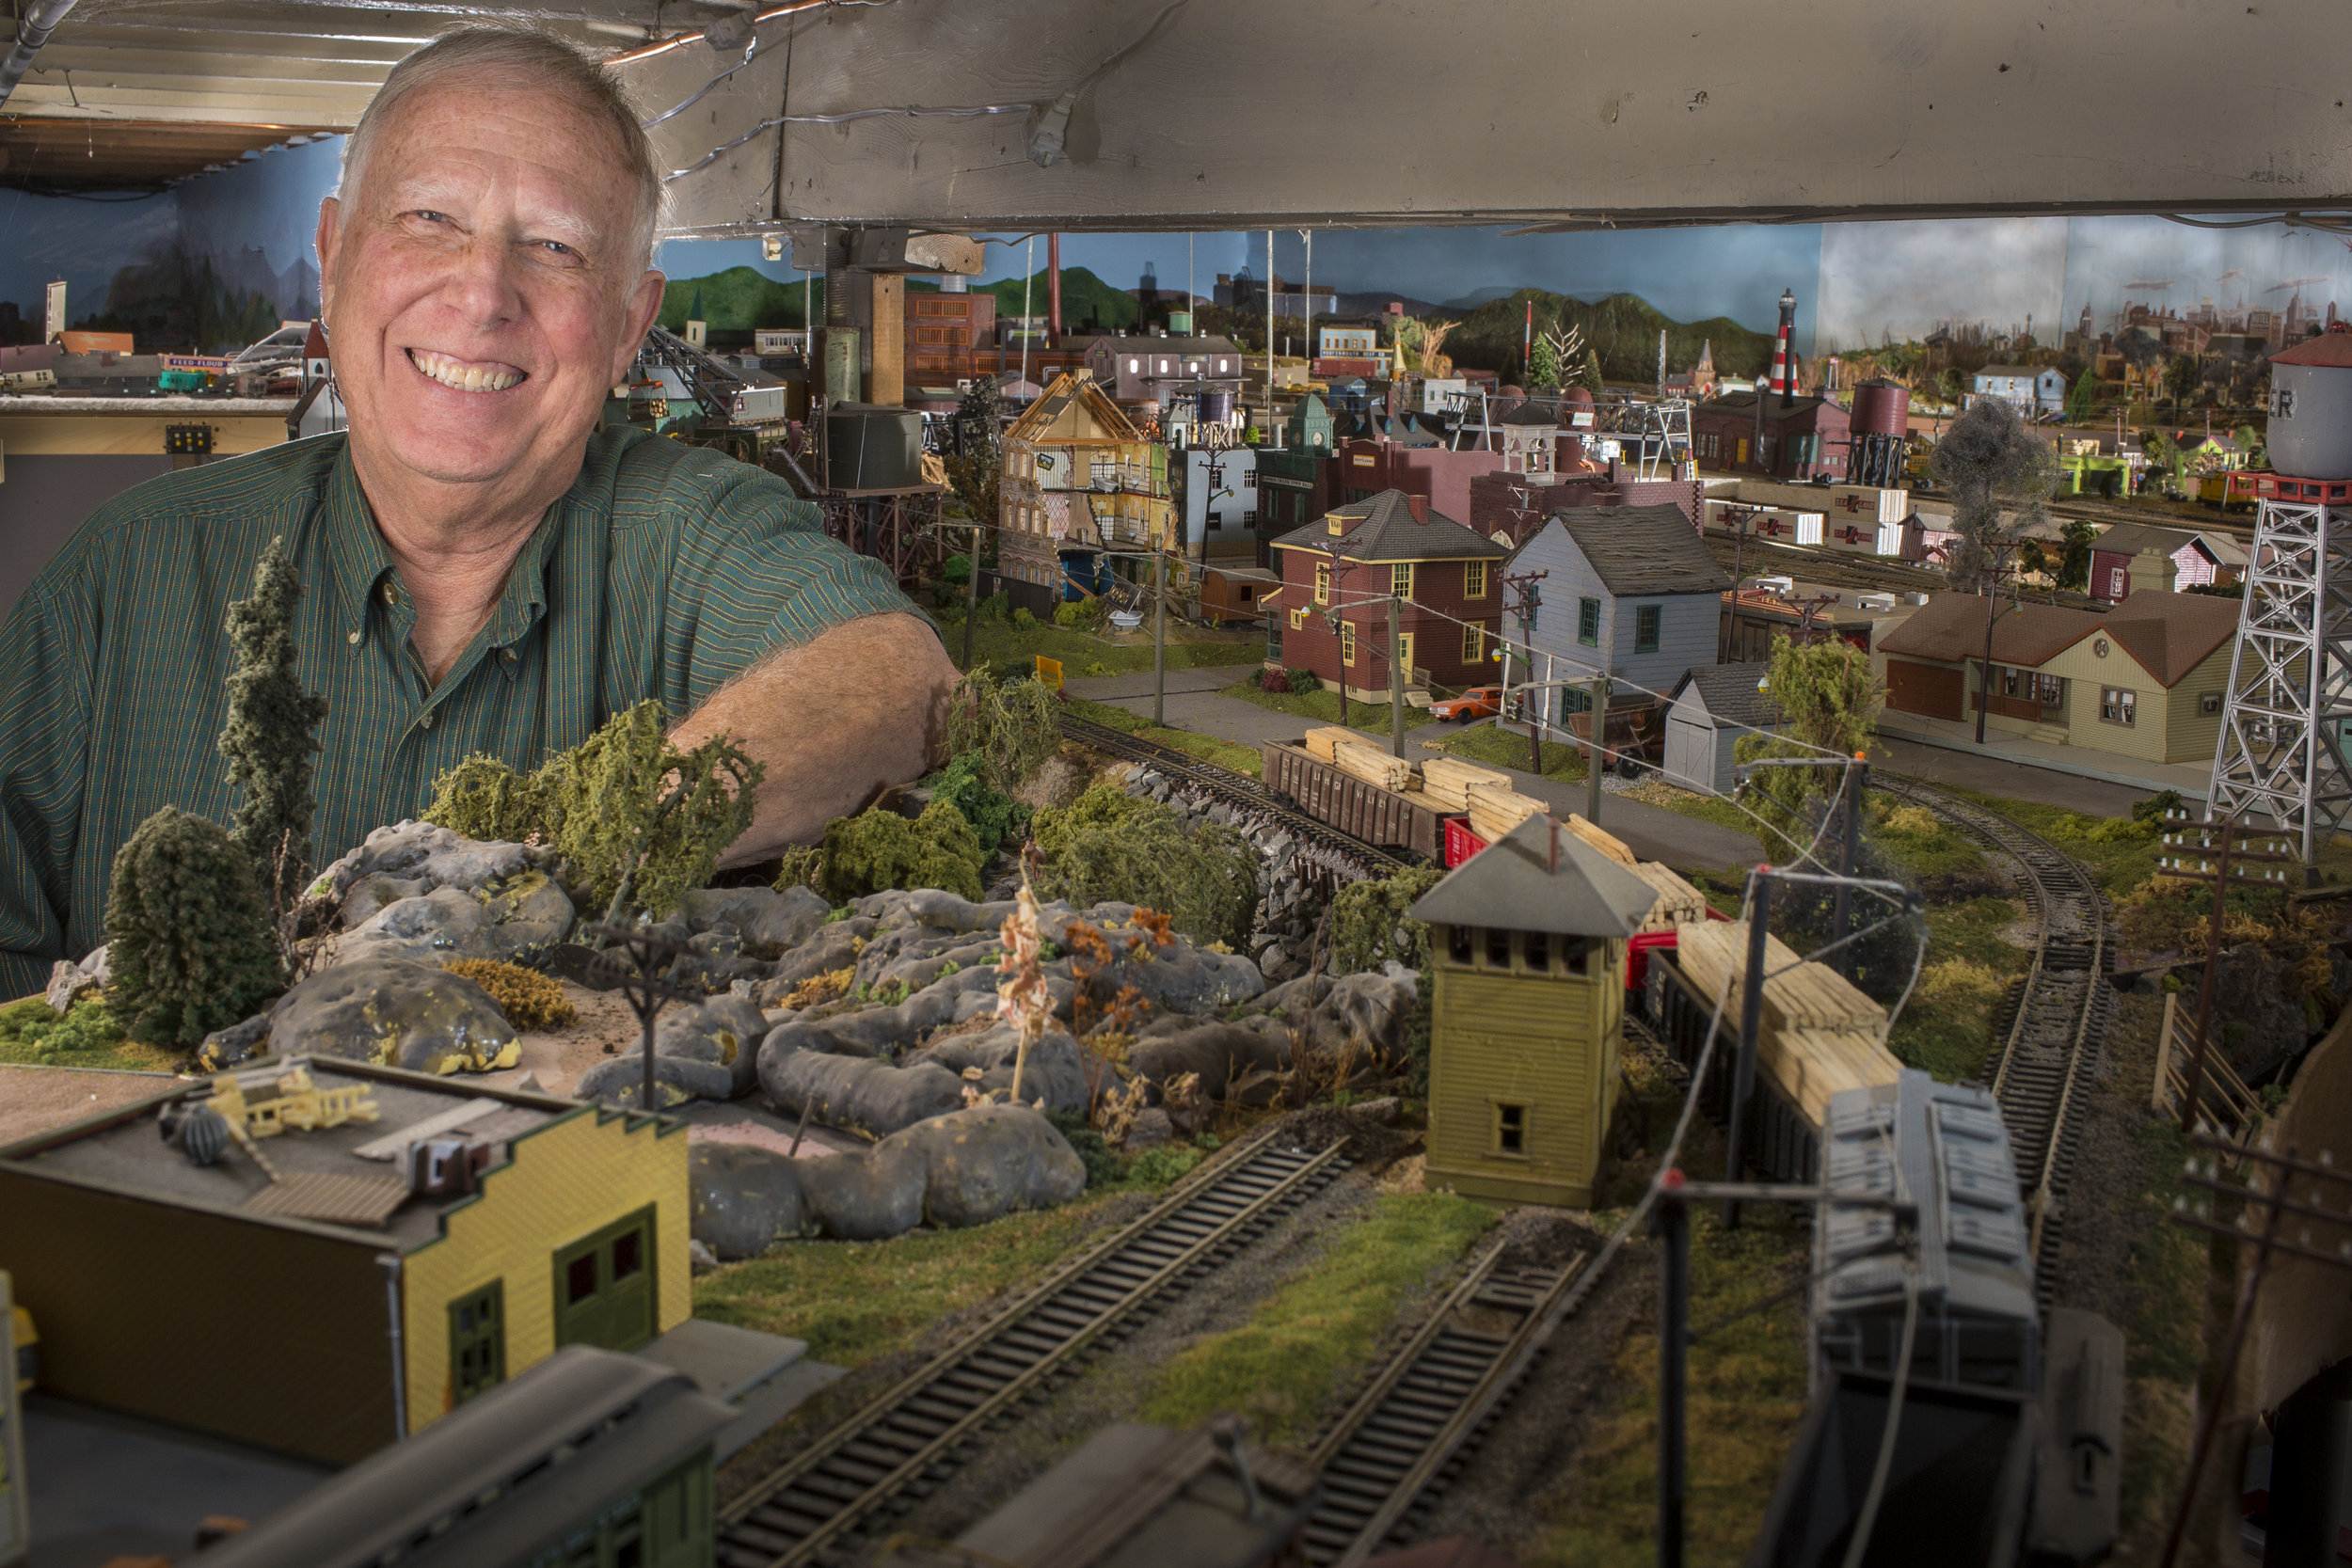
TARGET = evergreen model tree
x,y
269,736
191,946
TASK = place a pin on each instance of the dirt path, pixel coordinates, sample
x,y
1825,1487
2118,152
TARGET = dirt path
x,y
36,1098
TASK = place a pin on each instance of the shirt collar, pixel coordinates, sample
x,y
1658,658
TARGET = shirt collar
x,y
357,559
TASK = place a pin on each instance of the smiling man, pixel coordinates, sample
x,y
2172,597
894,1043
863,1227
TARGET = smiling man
x,y
483,567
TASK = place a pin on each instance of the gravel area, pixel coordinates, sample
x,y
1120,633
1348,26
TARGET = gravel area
x,y
2111,1168
36,1098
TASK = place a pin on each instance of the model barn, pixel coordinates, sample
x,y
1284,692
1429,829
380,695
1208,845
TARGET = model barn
x,y
1797,439
1349,564
1528,940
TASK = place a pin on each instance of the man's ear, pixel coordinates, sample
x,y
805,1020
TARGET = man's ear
x,y
329,238
644,303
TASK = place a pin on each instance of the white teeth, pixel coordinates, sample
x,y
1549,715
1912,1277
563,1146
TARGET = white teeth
x,y
460,376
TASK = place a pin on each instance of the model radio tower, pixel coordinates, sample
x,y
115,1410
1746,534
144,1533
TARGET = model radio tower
x,y
2289,700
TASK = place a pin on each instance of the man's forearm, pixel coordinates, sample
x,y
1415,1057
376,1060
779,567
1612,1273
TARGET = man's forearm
x,y
834,721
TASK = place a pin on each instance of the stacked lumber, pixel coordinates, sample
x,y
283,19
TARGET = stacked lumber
x,y
1447,782
1678,901
1495,811
1320,743
1820,1034
1810,1065
1375,768
1608,844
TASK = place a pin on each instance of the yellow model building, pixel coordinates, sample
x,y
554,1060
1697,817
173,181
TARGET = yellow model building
x,y
322,1306
1527,940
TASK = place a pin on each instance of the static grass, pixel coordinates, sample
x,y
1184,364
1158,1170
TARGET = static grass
x,y
1497,747
32,1035
1282,1366
853,1301
1706,808
1325,707
1082,654
1208,748
1947,1027
1746,1394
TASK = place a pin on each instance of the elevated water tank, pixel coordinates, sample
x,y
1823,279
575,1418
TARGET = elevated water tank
x,y
2310,407
871,447
1881,409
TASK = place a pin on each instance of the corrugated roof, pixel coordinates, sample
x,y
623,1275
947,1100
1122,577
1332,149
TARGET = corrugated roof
x,y
1384,529
1950,627
2171,634
1512,884
1643,549
1729,692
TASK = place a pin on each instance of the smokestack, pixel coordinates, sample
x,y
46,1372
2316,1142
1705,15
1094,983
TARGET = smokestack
x,y
1784,352
1053,290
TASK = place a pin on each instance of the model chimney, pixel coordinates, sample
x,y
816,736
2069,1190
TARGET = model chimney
x,y
1419,505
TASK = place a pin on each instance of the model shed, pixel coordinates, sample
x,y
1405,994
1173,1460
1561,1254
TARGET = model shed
x,y
1713,706
1528,940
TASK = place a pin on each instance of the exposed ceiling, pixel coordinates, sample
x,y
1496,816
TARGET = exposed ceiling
x,y
105,155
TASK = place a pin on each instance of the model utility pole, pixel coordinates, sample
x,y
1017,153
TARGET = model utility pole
x,y
2229,844
2003,552
1527,597
1396,674
1751,1027
1159,638
1595,753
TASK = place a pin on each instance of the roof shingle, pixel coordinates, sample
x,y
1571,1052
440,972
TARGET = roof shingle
x,y
1384,529
1640,551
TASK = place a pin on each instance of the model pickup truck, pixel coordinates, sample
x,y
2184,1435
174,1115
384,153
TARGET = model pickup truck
x,y
1479,702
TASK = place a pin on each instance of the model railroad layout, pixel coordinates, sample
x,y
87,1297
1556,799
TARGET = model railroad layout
x,y
1409,1429
902,1445
2056,1017
1341,857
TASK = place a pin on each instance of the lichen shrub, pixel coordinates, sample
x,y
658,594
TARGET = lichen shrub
x,y
1204,877
1012,727
878,850
191,944
529,999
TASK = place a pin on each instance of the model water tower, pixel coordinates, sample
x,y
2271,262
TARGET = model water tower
x,y
2284,715
1882,418
1527,939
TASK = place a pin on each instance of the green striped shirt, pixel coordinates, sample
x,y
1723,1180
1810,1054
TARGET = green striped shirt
x,y
663,572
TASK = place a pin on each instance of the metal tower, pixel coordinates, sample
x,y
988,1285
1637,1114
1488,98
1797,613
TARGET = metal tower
x,y
2289,700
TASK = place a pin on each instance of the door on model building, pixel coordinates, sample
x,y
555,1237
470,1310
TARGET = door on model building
x,y
604,1285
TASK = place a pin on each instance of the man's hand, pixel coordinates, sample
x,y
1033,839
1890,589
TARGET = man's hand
x,y
835,720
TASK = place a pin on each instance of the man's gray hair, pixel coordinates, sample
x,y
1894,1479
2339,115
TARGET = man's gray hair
x,y
541,62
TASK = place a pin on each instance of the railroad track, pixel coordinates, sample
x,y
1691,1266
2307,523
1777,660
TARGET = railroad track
x,y
815,1507
1410,1425
2060,1016
1341,856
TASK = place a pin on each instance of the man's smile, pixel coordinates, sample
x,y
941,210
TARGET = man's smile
x,y
465,375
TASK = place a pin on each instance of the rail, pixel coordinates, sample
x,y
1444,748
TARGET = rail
x,y
907,1438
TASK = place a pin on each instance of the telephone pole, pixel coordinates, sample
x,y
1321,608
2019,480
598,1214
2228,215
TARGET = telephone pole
x,y
1528,598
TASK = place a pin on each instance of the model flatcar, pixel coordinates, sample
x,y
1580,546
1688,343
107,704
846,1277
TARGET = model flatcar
x,y
590,1457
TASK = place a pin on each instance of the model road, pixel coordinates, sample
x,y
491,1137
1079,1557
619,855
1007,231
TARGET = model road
x,y
904,1441
2053,1038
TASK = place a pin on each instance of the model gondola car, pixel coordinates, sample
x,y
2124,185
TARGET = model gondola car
x,y
590,1458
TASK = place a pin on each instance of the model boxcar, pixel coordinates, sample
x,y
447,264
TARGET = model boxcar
x,y
1393,820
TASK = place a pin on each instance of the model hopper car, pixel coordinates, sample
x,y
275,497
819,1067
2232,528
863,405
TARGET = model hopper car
x,y
1479,702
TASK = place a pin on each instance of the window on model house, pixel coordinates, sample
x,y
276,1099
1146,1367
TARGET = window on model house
x,y
1347,641
1323,583
1588,622
1510,1128
1473,644
2118,705
1646,621
1401,579
1474,581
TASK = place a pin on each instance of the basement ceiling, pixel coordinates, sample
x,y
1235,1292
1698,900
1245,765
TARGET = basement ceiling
x,y
105,155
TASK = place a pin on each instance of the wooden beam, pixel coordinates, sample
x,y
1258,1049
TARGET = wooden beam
x,y
1237,114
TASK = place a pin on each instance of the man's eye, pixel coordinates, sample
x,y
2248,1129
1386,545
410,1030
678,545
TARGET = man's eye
x,y
429,215
557,248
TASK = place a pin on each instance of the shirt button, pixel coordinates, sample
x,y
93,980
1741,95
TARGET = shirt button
x,y
391,594
353,638
426,721
508,654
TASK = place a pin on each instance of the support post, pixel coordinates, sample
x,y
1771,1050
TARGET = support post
x,y
1751,1025
2162,1099
1159,639
1984,680
1672,1225
972,591
1396,675
1842,920
1594,765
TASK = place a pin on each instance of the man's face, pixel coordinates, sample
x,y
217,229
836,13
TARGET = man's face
x,y
477,293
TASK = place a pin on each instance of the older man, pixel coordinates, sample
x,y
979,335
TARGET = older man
x,y
483,568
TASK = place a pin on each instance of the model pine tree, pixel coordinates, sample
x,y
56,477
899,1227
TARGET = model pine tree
x,y
190,940
269,736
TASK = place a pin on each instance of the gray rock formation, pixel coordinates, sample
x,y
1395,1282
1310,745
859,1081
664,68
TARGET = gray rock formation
x,y
395,1011
765,921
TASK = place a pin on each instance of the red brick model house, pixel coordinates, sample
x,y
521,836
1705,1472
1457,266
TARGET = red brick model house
x,y
1353,560
944,331
1807,436
1509,509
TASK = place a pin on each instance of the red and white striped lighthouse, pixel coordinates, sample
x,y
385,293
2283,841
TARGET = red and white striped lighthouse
x,y
1784,377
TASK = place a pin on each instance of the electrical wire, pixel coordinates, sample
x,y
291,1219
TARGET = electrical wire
x,y
679,40
1866,1517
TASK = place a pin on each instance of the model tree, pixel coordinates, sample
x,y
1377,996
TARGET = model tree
x,y
270,735
190,940
1996,470
2082,400
1543,364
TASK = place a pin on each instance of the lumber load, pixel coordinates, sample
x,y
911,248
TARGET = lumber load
x,y
1608,844
1810,1065
1677,900
1359,761
1447,782
1495,812
1321,743
1797,995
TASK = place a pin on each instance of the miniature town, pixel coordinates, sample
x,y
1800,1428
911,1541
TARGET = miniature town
x,y
1536,933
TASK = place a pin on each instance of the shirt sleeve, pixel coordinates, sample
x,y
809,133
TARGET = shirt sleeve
x,y
755,575
44,705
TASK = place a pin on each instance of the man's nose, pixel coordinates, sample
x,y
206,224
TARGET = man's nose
x,y
485,285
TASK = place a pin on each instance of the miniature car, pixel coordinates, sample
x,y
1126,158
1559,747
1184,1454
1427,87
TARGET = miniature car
x,y
1479,702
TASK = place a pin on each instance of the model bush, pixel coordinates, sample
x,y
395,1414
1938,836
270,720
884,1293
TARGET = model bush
x,y
878,850
1104,804
638,822
191,943
1009,725
268,738
993,815
1275,681
529,999
1204,877
1999,473
1305,682
1369,927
